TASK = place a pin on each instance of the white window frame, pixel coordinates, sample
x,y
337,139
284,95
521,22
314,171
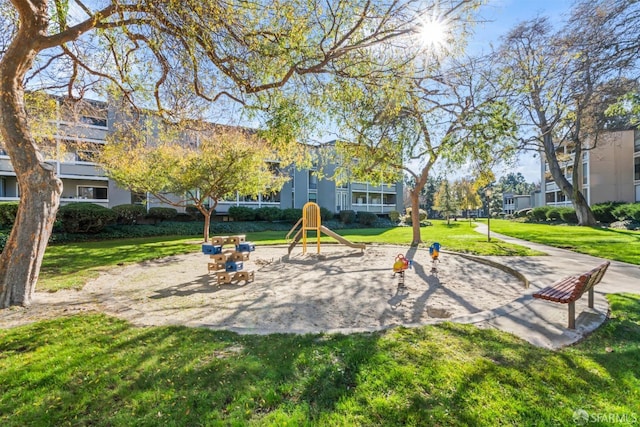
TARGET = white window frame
x,y
78,187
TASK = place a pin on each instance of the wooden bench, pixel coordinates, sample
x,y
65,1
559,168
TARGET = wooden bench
x,y
570,289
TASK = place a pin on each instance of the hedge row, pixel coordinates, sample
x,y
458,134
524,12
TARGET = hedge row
x,y
8,211
87,221
268,213
605,213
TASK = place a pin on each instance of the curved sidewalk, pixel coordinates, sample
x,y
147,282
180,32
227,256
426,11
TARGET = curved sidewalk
x,y
544,323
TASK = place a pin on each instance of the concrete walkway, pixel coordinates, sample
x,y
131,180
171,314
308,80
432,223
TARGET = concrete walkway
x,y
544,323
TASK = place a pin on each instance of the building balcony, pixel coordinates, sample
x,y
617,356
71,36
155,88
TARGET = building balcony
x,y
101,202
373,207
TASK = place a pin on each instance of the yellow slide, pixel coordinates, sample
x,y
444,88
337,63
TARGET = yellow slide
x,y
311,221
341,239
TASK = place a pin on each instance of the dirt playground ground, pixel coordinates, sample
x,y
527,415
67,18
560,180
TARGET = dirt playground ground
x,y
339,290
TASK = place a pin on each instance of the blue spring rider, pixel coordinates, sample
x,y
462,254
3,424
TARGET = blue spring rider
x,y
434,251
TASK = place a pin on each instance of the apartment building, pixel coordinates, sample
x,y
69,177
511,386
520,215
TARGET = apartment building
x,y
81,129
304,186
512,203
609,172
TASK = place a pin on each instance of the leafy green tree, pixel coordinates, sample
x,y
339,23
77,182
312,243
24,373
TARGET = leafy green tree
x,y
515,183
449,114
561,83
466,193
186,59
446,200
181,174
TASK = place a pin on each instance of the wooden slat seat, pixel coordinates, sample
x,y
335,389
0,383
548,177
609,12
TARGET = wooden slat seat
x,y
570,289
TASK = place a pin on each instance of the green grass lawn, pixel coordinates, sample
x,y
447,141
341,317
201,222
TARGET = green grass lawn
x,y
619,245
99,371
72,264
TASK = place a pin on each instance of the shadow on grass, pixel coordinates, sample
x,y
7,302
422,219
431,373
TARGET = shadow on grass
x,y
96,370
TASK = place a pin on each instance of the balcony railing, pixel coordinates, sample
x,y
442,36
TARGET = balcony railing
x,y
374,207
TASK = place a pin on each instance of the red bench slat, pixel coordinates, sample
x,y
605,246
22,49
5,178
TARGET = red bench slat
x,y
562,291
569,289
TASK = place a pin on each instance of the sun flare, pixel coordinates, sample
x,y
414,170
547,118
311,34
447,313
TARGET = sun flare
x,y
434,33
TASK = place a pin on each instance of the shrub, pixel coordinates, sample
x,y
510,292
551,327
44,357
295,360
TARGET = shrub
x,y
3,241
367,218
291,215
268,213
242,213
540,213
86,218
422,214
394,216
128,214
162,214
183,217
604,211
325,214
568,215
553,214
347,216
194,213
629,211
8,212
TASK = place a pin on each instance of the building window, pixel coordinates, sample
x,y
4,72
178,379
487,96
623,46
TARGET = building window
x,y
585,174
359,198
636,175
271,198
313,197
550,197
636,140
96,193
94,121
313,181
138,198
389,199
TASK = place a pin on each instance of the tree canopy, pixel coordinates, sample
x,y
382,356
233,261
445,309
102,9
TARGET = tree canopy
x,y
199,171
451,114
274,60
561,83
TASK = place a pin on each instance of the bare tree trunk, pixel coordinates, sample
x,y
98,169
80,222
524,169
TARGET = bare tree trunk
x,y
583,211
571,192
207,218
39,187
414,194
580,204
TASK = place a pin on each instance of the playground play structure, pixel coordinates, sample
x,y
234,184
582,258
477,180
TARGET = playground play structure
x,y
311,221
228,264
402,264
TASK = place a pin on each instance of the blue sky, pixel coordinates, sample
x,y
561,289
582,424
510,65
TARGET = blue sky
x,y
501,16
